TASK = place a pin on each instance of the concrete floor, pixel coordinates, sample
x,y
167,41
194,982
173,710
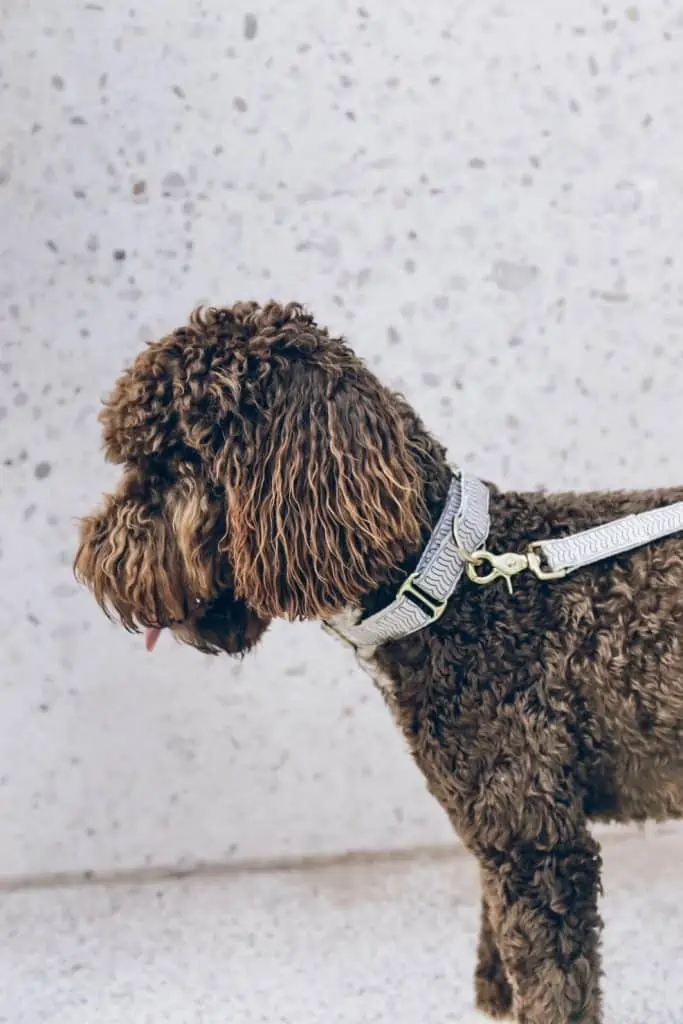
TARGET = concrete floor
x,y
384,940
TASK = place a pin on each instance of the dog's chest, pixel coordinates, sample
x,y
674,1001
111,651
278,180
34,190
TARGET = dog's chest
x,y
365,656
380,678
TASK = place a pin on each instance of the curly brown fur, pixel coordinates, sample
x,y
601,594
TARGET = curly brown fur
x,y
267,473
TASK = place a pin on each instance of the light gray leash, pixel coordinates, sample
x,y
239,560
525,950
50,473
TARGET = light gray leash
x,y
457,547
564,555
582,549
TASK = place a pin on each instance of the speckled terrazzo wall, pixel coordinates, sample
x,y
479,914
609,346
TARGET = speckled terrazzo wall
x,y
489,204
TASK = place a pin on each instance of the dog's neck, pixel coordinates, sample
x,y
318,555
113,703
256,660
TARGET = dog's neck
x,y
436,475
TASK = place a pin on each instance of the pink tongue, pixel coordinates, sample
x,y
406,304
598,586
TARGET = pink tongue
x,y
151,637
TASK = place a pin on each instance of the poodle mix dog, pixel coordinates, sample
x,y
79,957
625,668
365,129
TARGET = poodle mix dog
x,y
266,473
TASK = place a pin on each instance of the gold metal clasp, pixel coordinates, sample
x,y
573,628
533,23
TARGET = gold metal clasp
x,y
501,567
505,566
536,567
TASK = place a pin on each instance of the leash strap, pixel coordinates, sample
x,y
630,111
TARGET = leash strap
x,y
615,538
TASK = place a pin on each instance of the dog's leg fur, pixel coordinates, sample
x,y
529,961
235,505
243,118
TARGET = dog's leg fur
x,y
545,917
493,990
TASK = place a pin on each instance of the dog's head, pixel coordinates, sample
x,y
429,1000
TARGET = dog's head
x,y
266,473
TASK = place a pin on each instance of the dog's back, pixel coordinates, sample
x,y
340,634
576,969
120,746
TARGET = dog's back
x,y
597,656
625,659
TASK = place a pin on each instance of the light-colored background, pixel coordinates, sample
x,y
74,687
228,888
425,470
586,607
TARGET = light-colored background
x,y
486,197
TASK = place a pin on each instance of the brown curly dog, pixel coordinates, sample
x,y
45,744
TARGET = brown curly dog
x,y
267,473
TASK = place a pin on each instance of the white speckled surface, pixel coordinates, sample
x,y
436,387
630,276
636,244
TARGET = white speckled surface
x,y
389,942
492,213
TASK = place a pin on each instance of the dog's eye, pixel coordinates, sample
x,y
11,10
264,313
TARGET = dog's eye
x,y
197,606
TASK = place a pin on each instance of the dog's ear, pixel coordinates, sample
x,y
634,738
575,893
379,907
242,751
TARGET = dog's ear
x,y
323,495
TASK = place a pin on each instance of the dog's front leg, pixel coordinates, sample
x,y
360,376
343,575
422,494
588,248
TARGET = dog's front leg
x,y
543,907
493,991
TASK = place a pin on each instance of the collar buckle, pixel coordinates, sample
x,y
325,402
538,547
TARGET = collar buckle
x,y
425,602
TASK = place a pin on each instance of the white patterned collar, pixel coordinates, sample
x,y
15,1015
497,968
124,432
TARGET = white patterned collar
x,y
463,527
